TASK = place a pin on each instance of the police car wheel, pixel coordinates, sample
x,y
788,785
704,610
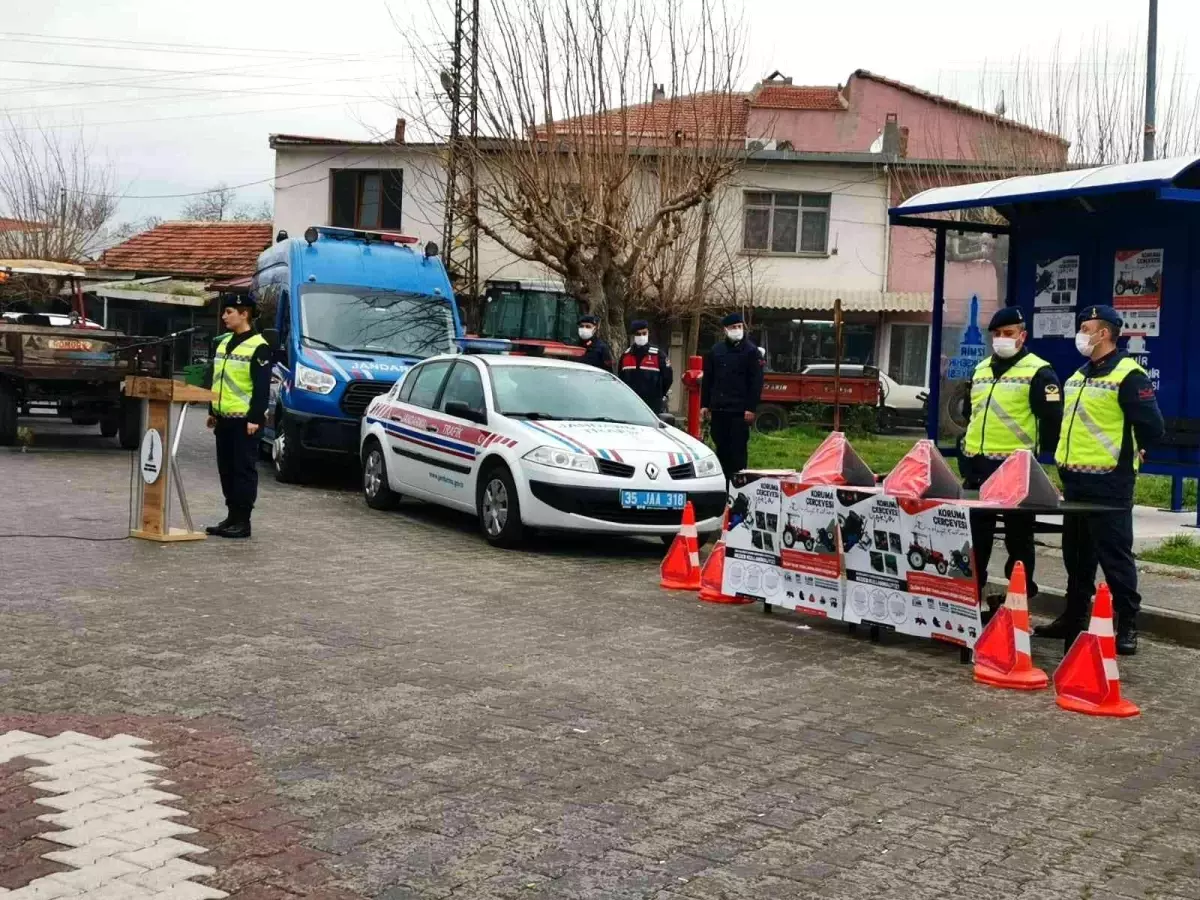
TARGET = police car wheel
x,y
377,491
499,508
285,455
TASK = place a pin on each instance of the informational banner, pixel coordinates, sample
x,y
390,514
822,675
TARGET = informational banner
x,y
908,566
1049,324
1137,290
812,573
1057,283
752,543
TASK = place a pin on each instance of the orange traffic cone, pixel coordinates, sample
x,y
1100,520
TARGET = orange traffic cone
x,y
1002,657
712,576
1087,680
680,569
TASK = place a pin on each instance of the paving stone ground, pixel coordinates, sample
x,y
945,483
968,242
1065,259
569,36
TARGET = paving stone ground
x,y
445,720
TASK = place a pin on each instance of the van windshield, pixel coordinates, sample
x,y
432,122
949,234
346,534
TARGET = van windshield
x,y
368,320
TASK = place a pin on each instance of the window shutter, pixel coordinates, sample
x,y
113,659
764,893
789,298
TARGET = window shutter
x,y
393,195
343,197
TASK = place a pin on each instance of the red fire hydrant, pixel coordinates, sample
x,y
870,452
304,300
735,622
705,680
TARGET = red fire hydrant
x,y
691,381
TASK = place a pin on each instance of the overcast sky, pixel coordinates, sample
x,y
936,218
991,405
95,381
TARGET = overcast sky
x,y
177,119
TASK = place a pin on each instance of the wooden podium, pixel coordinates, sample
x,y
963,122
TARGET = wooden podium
x,y
163,414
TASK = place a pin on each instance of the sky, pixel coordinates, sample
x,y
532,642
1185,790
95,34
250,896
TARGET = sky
x,y
180,96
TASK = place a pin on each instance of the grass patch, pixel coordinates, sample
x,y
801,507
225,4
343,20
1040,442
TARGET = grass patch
x,y
1177,550
791,447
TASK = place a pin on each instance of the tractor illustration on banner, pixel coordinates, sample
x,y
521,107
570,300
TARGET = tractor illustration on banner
x,y
795,533
922,554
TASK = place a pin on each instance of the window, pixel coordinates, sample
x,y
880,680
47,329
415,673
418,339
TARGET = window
x,y
786,222
908,353
427,383
464,385
796,345
366,198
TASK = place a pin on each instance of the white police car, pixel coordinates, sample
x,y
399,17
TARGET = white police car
x,y
532,443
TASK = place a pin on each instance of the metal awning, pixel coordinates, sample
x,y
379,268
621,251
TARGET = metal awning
x,y
1161,175
782,297
41,267
165,290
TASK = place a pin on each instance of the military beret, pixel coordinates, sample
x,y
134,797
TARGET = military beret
x,y
1005,316
734,318
639,324
588,320
240,301
1100,313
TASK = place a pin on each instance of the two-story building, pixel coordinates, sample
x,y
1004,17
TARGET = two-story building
x,y
806,214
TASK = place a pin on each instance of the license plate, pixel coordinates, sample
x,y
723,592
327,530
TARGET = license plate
x,y
653,499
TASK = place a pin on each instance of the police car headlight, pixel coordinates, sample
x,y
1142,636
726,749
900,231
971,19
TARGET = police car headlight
x,y
562,459
310,379
709,465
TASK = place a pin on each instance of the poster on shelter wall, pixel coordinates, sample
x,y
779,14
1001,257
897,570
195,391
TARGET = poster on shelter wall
x,y
1137,290
812,574
1053,323
1056,284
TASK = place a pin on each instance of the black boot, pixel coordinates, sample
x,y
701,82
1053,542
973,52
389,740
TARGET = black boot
x,y
238,527
1065,628
220,526
1127,637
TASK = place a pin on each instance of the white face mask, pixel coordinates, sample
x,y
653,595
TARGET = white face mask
x,y
641,339
734,334
1004,347
586,333
1083,343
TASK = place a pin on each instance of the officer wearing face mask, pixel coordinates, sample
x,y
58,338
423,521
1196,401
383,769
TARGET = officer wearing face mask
x,y
1110,415
595,351
644,368
1015,403
729,393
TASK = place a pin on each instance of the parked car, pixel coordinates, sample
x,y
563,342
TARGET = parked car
x,y
899,404
53,320
533,443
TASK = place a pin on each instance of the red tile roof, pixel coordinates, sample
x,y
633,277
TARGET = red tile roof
x,y
720,117
207,249
7,224
796,96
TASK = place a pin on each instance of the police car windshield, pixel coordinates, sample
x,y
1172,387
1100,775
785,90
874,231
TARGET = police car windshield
x,y
386,323
550,392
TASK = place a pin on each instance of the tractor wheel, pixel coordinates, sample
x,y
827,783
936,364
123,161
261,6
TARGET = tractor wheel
x,y
916,560
789,539
941,567
770,417
808,545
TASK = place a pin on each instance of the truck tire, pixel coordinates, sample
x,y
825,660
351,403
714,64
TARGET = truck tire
x,y
129,423
286,454
85,420
770,417
109,426
8,415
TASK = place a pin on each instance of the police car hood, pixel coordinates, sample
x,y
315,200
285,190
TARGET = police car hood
x,y
623,438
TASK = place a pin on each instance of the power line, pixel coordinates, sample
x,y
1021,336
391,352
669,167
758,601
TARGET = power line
x,y
193,93
164,46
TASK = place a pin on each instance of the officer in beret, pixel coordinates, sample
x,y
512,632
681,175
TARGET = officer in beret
x,y
239,376
595,351
1110,416
729,393
1015,403
644,368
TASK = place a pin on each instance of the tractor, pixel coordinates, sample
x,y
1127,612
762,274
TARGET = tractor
x,y
1125,283
854,533
961,560
794,534
921,554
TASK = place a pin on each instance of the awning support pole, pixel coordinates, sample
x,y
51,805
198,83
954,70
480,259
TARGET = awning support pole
x,y
935,350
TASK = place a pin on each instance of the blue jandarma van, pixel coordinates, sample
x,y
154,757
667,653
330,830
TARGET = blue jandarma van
x,y
355,309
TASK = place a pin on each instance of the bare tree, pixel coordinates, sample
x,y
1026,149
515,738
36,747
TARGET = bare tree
x,y
602,126
214,205
123,231
60,195
262,211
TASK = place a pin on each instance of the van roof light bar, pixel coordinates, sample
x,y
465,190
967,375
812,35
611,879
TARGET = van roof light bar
x,y
362,234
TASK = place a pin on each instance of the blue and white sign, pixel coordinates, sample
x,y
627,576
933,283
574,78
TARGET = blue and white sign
x,y
971,351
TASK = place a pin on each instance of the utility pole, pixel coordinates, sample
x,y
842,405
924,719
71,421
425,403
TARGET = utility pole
x,y
460,232
1151,77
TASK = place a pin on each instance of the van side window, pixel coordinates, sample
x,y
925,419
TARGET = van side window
x,y
285,326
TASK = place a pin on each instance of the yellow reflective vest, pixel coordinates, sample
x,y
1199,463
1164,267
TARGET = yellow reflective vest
x,y
1002,420
232,382
1094,423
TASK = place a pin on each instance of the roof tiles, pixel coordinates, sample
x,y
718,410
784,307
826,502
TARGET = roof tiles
x,y
207,249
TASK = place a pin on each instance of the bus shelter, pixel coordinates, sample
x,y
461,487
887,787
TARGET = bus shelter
x,y
1124,235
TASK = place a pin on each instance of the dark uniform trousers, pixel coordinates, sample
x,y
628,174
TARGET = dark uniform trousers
x,y
731,433
237,463
1018,541
1105,538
